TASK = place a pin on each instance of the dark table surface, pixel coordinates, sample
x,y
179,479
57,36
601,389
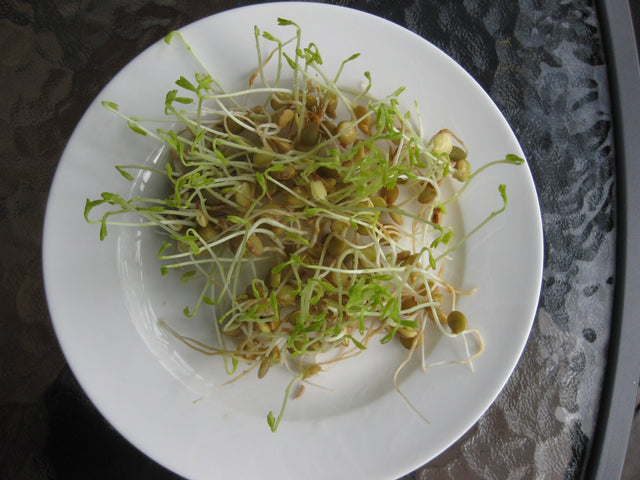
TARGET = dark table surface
x,y
542,62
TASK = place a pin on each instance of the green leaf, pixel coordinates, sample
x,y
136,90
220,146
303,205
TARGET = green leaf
x,y
271,420
236,219
284,22
199,136
169,36
90,205
356,342
387,338
112,198
220,156
398,92
136,128
261,181
312,211
186,84
186,276
297,238
292,64
408,323
204,81
169,137
103,228
124,173
502,188
168,102
280,267
515,159
311,54
447,236
184,100
432,261
268,36
234,366
163,247
110,105
208,300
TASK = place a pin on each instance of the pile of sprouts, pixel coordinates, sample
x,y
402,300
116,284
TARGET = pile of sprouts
x,y
310,214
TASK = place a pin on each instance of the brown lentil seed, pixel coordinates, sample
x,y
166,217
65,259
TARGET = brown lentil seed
x,y
428,194
378,201
347,133
462,170
457,322
310,134
265,365
396,217
336,246
436,216
391,195
457,153
285,117
254,245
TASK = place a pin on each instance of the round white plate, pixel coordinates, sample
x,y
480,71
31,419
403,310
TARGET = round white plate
x,y
105,298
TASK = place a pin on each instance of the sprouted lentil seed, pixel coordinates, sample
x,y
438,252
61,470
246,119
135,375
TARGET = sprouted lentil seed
x,y
334,191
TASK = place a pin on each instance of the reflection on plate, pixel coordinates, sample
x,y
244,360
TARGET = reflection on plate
x,y
106,298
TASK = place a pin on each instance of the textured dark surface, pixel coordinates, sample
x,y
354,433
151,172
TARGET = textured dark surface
x,y
541,62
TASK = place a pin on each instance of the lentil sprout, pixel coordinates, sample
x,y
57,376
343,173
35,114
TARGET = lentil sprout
x,y
331,193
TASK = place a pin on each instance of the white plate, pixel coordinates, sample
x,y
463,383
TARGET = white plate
x,y
105,298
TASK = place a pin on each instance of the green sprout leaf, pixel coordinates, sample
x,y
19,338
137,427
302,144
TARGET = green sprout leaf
x,y
186,84
136,128
110,105
514,159
271,421
124,173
